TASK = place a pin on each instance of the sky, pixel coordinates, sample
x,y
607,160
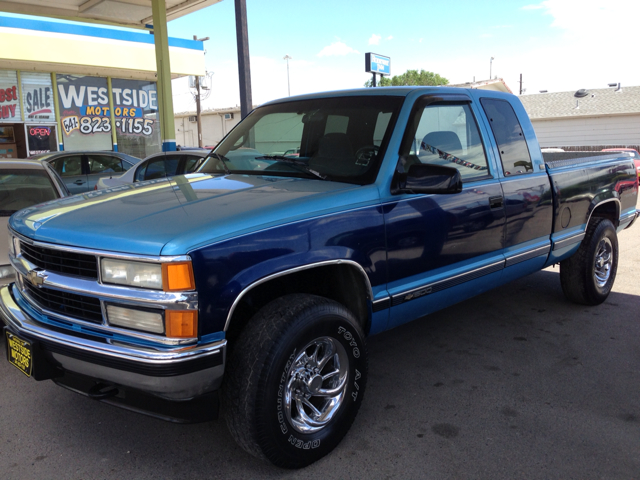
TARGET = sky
x,y
557,45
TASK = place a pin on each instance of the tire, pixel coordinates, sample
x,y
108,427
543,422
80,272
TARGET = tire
x,y
587,276
273,366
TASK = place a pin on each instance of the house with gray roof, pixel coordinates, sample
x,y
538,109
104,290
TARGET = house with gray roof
x,y
586,119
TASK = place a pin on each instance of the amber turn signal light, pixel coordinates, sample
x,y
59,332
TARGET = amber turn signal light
x,y
177,277
181,323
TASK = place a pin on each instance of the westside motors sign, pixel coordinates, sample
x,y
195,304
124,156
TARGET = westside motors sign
x,y
84,105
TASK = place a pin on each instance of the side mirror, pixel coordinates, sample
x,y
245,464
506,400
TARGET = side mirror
x,y
428,178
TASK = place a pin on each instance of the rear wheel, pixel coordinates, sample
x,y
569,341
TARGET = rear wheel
x,y
587,277
295,380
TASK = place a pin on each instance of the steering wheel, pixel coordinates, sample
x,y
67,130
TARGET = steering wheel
x,y
365,154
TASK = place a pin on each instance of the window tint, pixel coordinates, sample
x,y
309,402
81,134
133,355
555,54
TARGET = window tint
x,y
447,134
155,169
104,164
140,171
68,166
171,164
507,131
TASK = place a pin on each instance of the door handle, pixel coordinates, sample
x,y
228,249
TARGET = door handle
x,y
495,202
79,182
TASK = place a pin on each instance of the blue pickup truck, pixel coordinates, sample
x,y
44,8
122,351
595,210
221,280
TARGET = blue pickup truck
x,y
318,221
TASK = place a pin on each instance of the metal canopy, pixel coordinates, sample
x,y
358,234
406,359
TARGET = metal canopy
x,y
130,13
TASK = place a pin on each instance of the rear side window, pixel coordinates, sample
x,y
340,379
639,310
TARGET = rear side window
x,y
104,164
68,166
171,164
155,169
191,163
507,131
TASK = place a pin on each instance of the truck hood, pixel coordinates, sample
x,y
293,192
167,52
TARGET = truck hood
x,y
177,215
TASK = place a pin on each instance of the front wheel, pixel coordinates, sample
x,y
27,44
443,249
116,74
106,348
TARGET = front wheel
x,y
296,380
587,277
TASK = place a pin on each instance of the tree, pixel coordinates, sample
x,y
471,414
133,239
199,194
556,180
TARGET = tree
x,y
410,77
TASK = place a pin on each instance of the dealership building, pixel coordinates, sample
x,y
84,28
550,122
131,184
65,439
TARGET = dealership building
x,y
67,86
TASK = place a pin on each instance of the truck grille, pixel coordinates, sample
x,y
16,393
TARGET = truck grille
x,y
66,303
59,261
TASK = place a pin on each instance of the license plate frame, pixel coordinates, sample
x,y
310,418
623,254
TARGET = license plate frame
x,y
19,353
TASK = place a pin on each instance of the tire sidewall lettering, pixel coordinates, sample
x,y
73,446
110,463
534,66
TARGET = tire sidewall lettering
x,y
313,441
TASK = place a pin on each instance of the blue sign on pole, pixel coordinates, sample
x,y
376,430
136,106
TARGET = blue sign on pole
x,y
377,64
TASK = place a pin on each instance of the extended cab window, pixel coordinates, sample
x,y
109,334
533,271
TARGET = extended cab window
x,y
447,134
507,131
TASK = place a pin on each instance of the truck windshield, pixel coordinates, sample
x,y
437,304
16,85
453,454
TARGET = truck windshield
x,y
340,139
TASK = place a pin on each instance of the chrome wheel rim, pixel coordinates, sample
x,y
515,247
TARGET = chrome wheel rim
x,y
316,386
603,262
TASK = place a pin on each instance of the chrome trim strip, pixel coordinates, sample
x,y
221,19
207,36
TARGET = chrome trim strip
x,y
21,323
445,283
565,242
381,304
132,296
528,255
295,270
103,253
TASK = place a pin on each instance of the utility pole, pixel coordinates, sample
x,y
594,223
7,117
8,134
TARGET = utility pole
x,y
520,84
198,115
287,58
244,66
491,67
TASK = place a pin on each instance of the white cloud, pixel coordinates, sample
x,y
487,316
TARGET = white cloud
x,y
390,37
374,39
336,49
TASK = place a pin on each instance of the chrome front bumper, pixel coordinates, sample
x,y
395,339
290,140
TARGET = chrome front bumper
x,y
173,373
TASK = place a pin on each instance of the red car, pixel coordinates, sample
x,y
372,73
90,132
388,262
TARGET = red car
x,y
634,152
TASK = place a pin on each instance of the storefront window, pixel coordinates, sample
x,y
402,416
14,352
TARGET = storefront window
x,y
136,111
41,139
37,97
9,97
84,112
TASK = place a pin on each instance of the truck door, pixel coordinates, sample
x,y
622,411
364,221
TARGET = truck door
x,y
526,189
442,247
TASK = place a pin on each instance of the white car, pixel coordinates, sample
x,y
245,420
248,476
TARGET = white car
x,y
24,183
158,165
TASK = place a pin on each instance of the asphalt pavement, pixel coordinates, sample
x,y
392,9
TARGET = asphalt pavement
x,y
515,383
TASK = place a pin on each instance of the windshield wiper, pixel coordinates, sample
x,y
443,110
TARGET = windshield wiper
x,y
223,160
293,161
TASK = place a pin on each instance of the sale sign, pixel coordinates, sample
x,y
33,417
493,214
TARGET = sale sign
x,y
38,102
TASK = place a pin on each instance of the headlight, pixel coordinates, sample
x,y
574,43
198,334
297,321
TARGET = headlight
x,y
134,274
135,319
175,324
170,277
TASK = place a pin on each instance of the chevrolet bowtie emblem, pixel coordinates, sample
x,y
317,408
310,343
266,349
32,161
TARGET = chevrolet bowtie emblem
x,y
36,277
